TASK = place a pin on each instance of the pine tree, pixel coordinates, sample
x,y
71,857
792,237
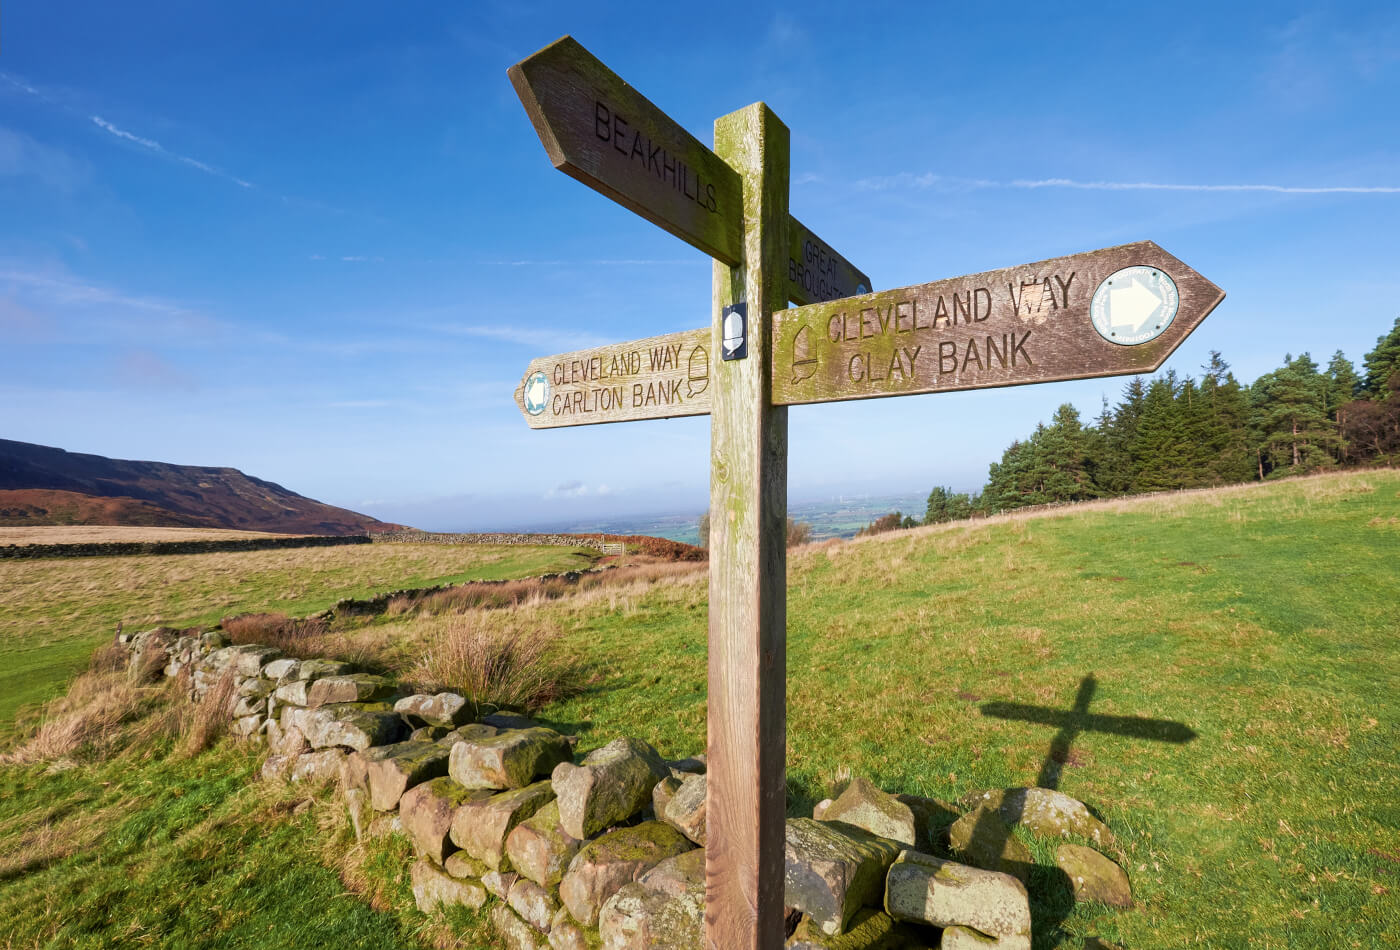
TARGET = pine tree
x,y
937,510
1233,459
1340,386
1062,459
1160,460
1382,363
1295,433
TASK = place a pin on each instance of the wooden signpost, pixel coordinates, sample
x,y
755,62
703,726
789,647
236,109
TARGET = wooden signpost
x,y
1109,312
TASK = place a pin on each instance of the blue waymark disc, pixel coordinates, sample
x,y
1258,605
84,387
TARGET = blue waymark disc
x,y
536,393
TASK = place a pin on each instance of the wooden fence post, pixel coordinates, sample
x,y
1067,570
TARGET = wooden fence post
x,y
747,732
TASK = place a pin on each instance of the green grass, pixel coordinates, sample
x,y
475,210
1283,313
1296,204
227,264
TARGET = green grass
x,y
54,612
1265,618
170,852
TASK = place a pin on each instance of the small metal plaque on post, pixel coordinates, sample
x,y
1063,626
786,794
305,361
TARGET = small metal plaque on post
x,y
735,340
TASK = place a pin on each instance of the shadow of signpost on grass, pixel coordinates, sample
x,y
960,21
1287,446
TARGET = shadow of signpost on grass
x,y
1051,890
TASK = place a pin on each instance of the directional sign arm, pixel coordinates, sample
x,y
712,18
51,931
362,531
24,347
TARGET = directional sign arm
x,y
655,378
1117,311
815,272
606,134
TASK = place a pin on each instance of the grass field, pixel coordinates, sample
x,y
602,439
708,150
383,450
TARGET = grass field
x,y
93,534
1265,619
54,612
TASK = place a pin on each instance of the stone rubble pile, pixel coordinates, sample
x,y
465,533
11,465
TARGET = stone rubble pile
x,y
607,850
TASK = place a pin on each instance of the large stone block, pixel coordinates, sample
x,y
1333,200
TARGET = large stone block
x,y
511,759
317,767
540,848
686,810
448,710
929,890
393,769
353,725
831,871
1043,811
349,688
635,918
876,811
246,659
515,934
535,905
566,934
432,888
480,828
281,669
426,812
676,875
317,668
983,840
617,858
498,882
1093,876
610,786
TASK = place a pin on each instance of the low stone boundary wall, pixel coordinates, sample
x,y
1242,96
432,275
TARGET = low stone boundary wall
x,y
571,853
127,548
378,604
430,537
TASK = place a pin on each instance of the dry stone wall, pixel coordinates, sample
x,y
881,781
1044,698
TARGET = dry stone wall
x,y
117,548
504,537
574,852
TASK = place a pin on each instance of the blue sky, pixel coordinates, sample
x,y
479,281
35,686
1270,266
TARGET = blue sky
x,y
320,244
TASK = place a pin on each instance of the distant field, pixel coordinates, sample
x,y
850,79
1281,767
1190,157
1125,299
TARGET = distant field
x,y
92,534
54,612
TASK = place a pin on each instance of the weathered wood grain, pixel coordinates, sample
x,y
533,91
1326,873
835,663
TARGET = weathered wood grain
x,y
655,378
606,134
748,615
815,272
1027,324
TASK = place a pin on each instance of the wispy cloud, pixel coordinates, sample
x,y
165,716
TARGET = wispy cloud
x,y
1165,186
360,404
577,489
910,181
525,336
605,262
23,157
145,369
152,145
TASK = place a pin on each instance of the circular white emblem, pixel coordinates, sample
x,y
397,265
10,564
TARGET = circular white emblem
x,y
536,393
1134,305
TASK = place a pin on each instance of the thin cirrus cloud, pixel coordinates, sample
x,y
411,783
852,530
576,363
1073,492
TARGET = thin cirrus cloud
x,y
908,180
524,336
152,145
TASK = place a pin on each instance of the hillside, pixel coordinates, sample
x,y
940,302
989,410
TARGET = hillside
x,y
1214,672
40,485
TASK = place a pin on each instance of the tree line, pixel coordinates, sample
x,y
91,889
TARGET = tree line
x,y
1174,431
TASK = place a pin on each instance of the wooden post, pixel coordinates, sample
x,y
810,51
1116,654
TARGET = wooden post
x,y
747,733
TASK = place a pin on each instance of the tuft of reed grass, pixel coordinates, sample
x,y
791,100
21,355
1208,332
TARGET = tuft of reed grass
x,y
88,719
302,638
515,669
203,721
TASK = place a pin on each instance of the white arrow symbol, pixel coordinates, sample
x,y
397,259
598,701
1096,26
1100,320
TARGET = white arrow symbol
x,y
1132,305
536,394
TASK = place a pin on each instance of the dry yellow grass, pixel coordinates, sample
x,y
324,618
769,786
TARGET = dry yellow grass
x,y
92,534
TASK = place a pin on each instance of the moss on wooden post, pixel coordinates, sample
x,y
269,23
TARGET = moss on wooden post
x,y
748,504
